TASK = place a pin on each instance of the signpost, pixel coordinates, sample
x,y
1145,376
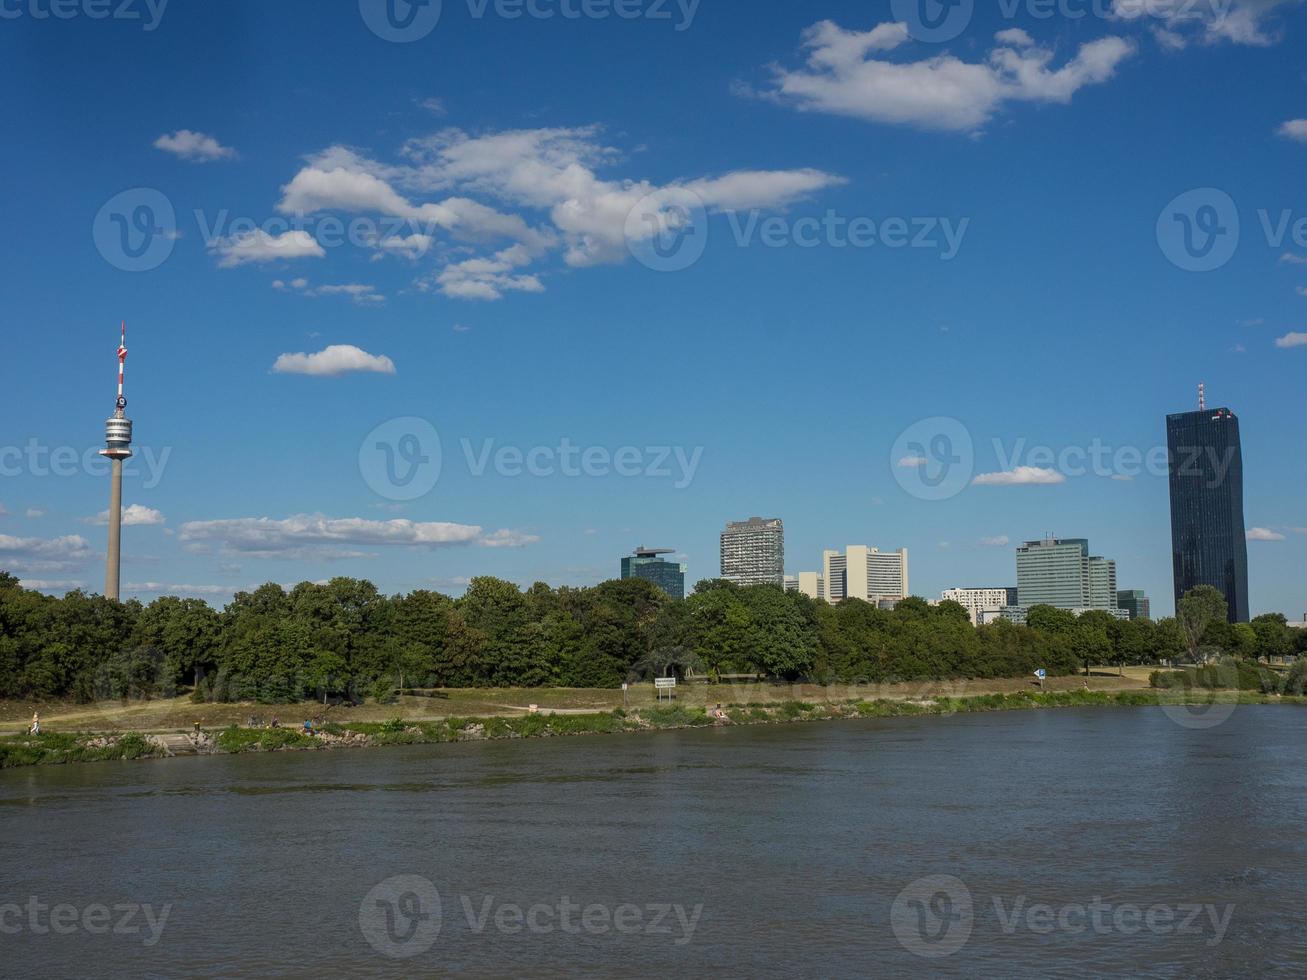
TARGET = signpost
x,y
624,686
665,685
1041,673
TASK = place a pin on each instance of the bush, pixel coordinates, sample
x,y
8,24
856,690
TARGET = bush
x,y
1295,681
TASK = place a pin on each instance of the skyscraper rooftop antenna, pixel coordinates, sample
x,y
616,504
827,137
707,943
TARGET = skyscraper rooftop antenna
x,y
1202,397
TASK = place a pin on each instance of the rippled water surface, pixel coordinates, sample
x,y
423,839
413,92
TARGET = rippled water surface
x,y
1035,843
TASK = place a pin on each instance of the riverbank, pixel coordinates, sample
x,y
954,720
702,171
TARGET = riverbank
x,y
61,748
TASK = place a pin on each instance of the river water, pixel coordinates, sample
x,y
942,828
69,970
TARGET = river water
x,y
1034,843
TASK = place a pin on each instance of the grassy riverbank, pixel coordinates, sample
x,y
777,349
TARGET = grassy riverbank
x,y
57,748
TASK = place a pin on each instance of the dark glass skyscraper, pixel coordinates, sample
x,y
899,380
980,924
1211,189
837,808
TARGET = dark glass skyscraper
x,y
647,564
1207,532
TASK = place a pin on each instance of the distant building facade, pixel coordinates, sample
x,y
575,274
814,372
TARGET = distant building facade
x,y
1060,572
648,564
869,574
811,584
1135,602
1208,547
978,601
753,552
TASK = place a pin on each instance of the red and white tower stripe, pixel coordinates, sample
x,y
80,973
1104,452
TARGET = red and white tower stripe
x,y
122,360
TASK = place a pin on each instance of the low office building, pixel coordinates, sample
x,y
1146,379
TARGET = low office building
x,y
981,600
1135,602
811,584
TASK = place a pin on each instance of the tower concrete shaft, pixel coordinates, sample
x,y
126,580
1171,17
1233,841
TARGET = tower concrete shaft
x,y
118,447
113,563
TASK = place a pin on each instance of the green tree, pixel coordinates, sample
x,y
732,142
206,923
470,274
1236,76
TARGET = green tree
x,y
1272,637
1196,611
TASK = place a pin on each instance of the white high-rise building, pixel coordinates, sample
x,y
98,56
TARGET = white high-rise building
x,y
865,573
753,552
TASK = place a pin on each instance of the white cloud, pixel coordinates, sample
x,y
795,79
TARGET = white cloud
x,y
1293,259
910,462
32,513
505,538
260,246
334,360
1180,22
1263,534
1001,541
134,515
162,588
1014,36
549,175
1292,339
43,554
1294,129
317,536
1020,476
1123,478
434,106
193,146
489,278
842,77
51,585
363,294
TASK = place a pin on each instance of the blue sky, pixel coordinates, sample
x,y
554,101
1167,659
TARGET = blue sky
x,y
458,225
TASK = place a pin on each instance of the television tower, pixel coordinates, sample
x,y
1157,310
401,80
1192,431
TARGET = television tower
x,y
118,447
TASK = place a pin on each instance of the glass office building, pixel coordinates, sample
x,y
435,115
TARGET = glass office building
x,y
647,564
1207,531
1135,602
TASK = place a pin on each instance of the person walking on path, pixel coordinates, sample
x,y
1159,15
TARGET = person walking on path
x,y
36,724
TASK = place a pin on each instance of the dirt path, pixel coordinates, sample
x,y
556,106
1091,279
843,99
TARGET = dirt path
x,y
179,714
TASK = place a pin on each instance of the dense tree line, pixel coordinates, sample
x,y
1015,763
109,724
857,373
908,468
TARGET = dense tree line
x,y
346,639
